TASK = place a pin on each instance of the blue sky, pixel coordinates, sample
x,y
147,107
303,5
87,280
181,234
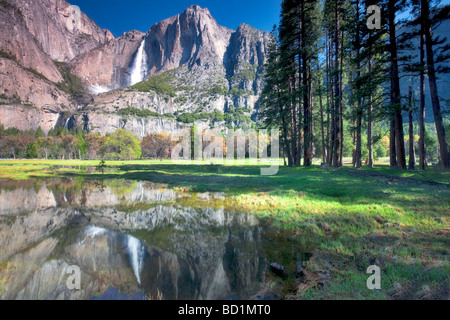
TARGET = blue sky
x,y
119,16
124,15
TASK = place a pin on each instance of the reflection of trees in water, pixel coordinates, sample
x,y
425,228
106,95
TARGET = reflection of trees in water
x,y
121,188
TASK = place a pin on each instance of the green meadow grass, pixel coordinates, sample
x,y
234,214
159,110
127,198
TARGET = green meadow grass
x,y
350,221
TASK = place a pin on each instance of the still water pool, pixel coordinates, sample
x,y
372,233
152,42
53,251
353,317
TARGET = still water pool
x,y
130,240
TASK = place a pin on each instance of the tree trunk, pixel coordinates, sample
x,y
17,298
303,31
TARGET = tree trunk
x,y
329,99
296,134
305,89
336,122
322,126
311,107
283,123
370,134
412,158
307,118
422,147
395,88
433,86
328,139
341,111
293,135
359,113
392,144
358,160
369,111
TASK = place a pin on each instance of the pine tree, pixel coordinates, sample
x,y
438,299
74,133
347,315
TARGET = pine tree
x,y
356,26
273,111
397,135
288,38
308,22
429,20
290,72
426,20
333,17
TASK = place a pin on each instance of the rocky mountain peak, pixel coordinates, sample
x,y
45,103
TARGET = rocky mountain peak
x,y
244,27
192,38
199,15
193,9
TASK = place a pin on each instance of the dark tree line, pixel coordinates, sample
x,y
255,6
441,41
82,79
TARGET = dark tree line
x,y
326,67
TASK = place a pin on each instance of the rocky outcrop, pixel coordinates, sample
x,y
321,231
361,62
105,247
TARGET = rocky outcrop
x,y
26,117
34,34
26,72
106,123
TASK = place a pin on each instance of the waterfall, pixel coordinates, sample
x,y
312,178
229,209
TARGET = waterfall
x,y
136,251
139,66
66,125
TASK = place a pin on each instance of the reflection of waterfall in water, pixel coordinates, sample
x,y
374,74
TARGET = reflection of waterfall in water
x,y
139,66
136,251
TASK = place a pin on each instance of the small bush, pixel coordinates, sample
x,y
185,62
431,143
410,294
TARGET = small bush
x,y
159,84
71,83
130,111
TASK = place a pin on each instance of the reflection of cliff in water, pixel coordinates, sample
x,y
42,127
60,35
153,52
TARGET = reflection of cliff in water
x,y
165,249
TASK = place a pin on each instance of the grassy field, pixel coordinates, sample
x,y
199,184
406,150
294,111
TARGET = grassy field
x,y
396,220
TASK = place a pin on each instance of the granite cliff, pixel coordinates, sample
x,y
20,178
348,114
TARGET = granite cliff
x,y
57,64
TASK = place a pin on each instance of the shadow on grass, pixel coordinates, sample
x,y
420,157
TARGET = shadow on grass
x,y
314,183
349,240
413,267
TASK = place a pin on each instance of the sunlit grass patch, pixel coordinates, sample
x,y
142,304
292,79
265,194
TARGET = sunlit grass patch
x,y
349,221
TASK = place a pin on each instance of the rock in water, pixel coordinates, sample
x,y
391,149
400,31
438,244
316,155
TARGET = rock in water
x,y
278,270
